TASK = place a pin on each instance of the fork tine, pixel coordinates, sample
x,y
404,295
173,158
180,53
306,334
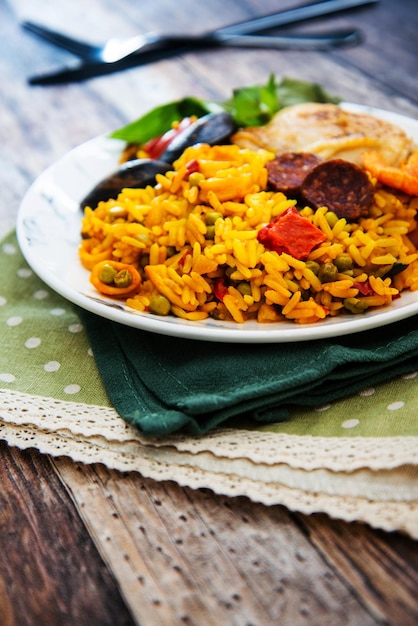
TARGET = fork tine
x,y
79,48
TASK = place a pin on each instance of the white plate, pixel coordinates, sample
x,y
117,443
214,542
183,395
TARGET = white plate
x,y
48,230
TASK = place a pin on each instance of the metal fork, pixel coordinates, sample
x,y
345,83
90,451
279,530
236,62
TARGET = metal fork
x,y
115,50
119,54
180,45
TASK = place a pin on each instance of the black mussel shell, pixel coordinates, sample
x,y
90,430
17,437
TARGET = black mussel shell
x,y
214,128
134,173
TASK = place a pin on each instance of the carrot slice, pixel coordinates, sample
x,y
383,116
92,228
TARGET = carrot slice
x,y
110,287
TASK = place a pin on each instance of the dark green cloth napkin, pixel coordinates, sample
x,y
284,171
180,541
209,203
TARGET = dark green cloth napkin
x,y
164,384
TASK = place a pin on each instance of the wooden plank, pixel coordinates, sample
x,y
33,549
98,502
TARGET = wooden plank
x,y
394,27
186,556
50,570
381,568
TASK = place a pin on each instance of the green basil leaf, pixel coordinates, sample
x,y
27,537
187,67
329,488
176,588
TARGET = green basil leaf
x,y
291,91
255,105
160,119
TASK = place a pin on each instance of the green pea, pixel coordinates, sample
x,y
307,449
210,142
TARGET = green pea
x,y
107,274
195,178
244,288
210,232
123,278
160,305
313,266
331,218
355,305
344,262
218,314
212,216
328,272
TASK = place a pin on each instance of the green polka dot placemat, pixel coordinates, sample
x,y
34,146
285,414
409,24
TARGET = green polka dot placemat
x,y
387,410
45,352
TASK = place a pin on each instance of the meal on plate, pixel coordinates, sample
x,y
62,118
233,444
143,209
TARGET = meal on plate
x,y
278,204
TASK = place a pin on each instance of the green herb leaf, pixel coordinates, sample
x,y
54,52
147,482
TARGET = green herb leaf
x,y
291,91
160,119
249,106
254,106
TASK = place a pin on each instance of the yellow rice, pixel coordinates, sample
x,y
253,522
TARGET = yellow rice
x,y
167,229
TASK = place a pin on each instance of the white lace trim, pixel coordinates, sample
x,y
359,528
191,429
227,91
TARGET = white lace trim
x,y
365,479
266,448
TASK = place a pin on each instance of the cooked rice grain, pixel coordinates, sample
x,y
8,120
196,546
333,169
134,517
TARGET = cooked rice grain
x,y
195,242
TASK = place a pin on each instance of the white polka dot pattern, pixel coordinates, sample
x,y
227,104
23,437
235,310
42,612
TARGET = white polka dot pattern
x,y
44,347
32,342
52,366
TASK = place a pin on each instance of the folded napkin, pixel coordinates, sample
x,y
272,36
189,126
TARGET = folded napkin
x,y
165,384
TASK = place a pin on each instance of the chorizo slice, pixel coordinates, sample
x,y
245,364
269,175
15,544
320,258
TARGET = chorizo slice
x,y
341,186
287,171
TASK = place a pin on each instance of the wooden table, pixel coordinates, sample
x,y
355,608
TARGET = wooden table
x,y
83,545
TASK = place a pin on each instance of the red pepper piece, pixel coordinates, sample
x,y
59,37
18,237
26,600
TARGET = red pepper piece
x,y
183,258
220,289
192,167
155,147
364,288
292,233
